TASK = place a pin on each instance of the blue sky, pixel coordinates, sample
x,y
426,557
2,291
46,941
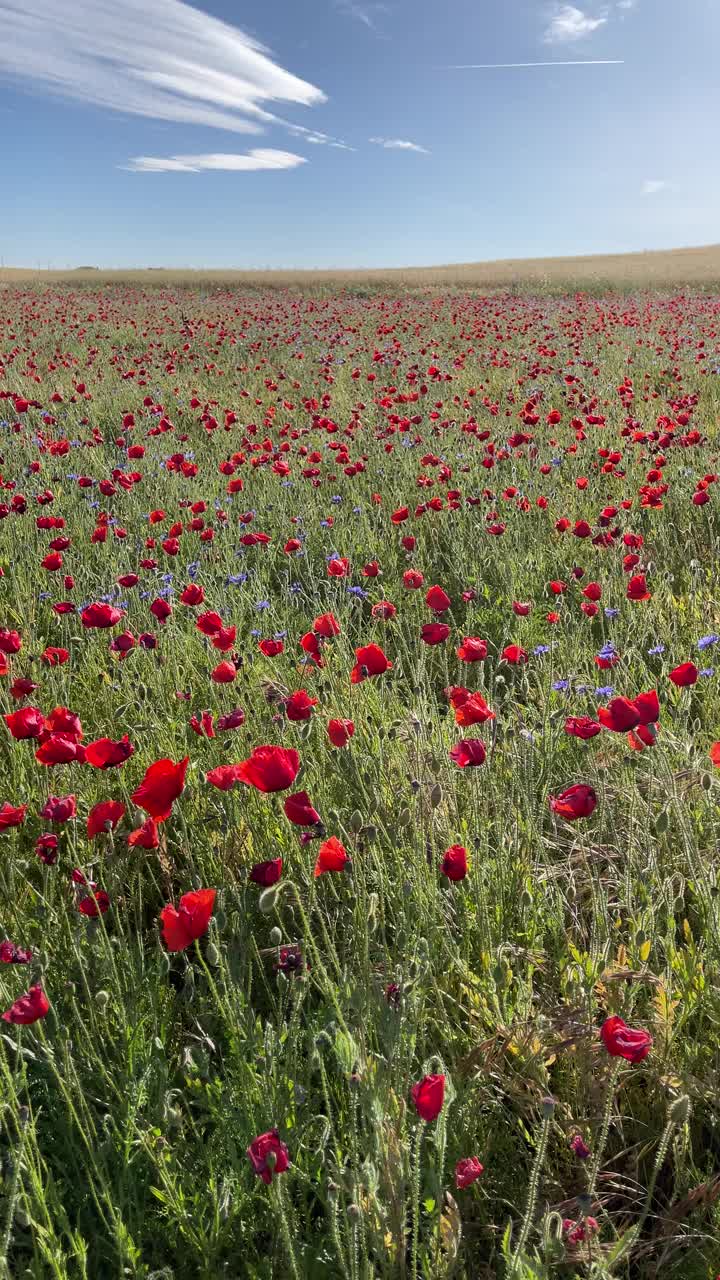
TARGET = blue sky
x,y
319,133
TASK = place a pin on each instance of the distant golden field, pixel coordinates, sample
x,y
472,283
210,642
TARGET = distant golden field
x,y
660,269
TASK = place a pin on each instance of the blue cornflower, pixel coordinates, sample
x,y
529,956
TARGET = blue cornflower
x,y
656,649
235,579
560,685
604,691
707,671
358,592
611,613
541,649
706,641
262,604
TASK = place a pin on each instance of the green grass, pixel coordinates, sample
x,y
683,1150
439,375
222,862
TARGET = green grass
x,y
126,1113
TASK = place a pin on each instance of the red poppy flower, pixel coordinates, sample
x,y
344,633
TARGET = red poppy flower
x,y
10,954
22,688
203,724
619,715
108,754
59,808
331,857
340,732
434,633
467,1171
28,1008
383,611
473,710
593,591
583,727
161,610
647,707
299,705
104,816
268,1156
100,616
10,641
267,873
715,754
164,781
54,657
223,776
371,661
326,626
514,654
575,802
190,921
437,600
684,675
145,837
521,608
209,623
299,810
428,1096
622,1041
12,816
412,579
94,905
637,588
338,567
468,753
269,768
455,862
645,735
472,649
224,673
46,848
231,720
271,648
28,722
192,595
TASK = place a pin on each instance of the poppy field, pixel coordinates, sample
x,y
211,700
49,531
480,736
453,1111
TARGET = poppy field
x,y
359,895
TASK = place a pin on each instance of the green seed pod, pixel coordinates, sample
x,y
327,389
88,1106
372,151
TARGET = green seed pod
x,y
275,936
212,954
356,822
436,795
102,1000
268,899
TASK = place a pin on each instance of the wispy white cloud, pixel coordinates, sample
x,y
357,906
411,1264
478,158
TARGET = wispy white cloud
x,y
365,11
399,144
651,186
157,58
569,23
626,4
501,66
259,158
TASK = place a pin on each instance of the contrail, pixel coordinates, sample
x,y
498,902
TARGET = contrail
x,y
498,66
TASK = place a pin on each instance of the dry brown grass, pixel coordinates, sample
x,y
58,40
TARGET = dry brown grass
x,y
659,269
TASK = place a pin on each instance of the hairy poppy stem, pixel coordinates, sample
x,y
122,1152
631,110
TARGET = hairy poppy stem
x,y
604,1127
416,1202
285,1229
532,1192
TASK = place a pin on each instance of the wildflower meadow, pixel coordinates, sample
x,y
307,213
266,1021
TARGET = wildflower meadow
x,y
359,894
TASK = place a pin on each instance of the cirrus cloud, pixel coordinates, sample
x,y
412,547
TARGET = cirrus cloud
x,y
259,158
399,144
162,59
